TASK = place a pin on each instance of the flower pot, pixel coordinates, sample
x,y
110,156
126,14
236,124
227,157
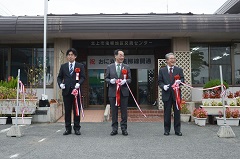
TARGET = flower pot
x,y
3,120
229,121
185,117
22,121
196,120
201,121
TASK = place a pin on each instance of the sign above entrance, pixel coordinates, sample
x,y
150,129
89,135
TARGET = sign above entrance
x,y
134,61
121,43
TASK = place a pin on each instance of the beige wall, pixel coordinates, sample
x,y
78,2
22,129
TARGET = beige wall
x,y
61,45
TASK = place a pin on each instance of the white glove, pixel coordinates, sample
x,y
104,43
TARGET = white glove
x,y
62,86
123,82
178,81
77,85
166,87
113,81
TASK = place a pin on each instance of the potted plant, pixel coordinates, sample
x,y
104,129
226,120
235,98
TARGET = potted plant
x,y
206,98
214,94
231,100
194,114
232,117
201,116
238,101
8,94
8,101
214,103
185,112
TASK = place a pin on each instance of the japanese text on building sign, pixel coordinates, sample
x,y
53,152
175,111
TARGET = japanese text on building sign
x,y
121,43
140,61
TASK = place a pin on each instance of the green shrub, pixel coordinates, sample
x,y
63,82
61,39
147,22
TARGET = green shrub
x,y
11,83
215,82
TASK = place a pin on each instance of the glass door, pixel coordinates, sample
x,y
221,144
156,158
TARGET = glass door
x,y
146,89
96,86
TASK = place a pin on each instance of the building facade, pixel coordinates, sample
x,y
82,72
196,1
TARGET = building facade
x,y
209,40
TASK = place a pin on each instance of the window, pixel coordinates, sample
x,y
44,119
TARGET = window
x,y
26,59
205,61
236,51
220,55
3,63
199,64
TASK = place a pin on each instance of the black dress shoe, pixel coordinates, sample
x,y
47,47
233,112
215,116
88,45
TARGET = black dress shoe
x,y
77,132
114,132
166,133
67,132
178,133
124,132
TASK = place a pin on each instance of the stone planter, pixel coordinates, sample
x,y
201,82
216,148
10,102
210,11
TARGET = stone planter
x,y
7,106
201,121
22,121
3,120
185,117
6,109
229,121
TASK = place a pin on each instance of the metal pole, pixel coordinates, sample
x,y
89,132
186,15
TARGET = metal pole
x,y
224,113
16,108
45,45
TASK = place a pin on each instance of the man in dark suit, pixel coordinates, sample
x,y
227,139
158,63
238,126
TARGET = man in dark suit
x,y
165,81
113,76
67,82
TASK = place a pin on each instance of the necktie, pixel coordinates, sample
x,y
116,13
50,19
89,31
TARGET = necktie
x,y
71,69
118,70
170,73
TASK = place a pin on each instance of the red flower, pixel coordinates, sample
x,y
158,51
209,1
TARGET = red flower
x,y
77,70
177,77
124,71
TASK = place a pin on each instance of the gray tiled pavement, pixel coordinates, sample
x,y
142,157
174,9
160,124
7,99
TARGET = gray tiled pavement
x,y
145,140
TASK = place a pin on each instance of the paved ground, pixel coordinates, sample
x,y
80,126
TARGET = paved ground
x,y
90,116
145,140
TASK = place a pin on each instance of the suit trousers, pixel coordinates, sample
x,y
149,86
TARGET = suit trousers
x,y
123,107
167,115
69,105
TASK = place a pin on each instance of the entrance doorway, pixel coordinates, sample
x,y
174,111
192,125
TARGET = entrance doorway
x,y
96,87
142,87
133,86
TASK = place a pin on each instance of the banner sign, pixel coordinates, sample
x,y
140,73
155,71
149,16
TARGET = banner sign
x,y
134,61
121,43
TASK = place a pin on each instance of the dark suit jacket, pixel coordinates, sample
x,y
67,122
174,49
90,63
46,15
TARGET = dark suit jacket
x,y
70,81
164,79
112,73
